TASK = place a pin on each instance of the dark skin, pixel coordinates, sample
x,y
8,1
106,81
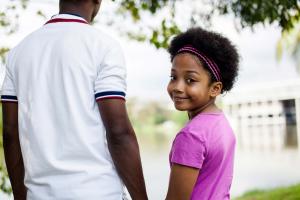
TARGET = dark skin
x,y
87,9
121,139
12,150
123,146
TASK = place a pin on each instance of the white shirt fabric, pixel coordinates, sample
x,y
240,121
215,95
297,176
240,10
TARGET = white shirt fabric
x,y
56,75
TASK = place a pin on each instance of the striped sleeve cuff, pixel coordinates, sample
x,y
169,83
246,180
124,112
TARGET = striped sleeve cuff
x,y
9,98
110,95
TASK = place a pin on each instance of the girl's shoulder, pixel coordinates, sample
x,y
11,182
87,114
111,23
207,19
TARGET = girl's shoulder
x,y
205,121
203,125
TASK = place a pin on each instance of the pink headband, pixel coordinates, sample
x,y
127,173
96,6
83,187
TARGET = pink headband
x,y
213,67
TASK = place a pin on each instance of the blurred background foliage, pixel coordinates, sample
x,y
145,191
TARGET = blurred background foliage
x,y
284,13
281,193
154,122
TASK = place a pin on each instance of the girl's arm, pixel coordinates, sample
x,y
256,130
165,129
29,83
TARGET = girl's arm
x,y
182,181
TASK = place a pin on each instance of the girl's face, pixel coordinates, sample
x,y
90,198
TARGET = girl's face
x,y
190,86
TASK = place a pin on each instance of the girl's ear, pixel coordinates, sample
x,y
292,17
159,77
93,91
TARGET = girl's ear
x,y
216,89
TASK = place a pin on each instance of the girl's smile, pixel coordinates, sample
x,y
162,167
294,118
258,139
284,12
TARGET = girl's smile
x,y
179,99
190,86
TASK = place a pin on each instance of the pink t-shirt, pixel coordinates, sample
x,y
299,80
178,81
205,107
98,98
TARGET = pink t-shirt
x,y
207,142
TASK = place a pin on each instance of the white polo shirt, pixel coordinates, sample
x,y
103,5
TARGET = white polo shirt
x,y
56,75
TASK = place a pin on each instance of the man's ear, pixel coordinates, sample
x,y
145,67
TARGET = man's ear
x,y
215,89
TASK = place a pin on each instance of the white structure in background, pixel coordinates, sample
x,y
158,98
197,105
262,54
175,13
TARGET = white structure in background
x,y
266,117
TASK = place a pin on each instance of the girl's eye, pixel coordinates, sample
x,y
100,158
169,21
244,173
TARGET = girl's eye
x,y
172,77
189,80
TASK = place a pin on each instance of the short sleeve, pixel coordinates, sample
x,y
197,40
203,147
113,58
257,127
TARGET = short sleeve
x,y
188,150
8,92
111,77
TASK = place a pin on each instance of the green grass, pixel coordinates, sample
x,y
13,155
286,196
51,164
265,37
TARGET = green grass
x,y
284,193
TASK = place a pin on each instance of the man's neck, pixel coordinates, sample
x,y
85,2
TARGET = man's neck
x,y
71,10
65,13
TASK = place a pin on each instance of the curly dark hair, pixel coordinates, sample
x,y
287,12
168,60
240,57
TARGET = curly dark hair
x,y
214,46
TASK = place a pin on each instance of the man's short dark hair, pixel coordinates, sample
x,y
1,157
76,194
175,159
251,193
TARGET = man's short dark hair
x,y
71,1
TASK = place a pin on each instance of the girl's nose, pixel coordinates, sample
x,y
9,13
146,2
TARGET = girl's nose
x,y
178,86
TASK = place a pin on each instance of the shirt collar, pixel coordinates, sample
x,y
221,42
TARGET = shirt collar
x,y
67,16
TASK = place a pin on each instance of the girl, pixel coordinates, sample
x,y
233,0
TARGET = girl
x,y
204,65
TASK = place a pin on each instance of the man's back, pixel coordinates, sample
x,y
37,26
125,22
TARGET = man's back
x,y
58,73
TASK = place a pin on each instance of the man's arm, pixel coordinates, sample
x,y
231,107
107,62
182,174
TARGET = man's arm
x,y
123,146
12,150
182,182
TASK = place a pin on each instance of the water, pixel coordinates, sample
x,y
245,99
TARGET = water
x,y
253,170
264,170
